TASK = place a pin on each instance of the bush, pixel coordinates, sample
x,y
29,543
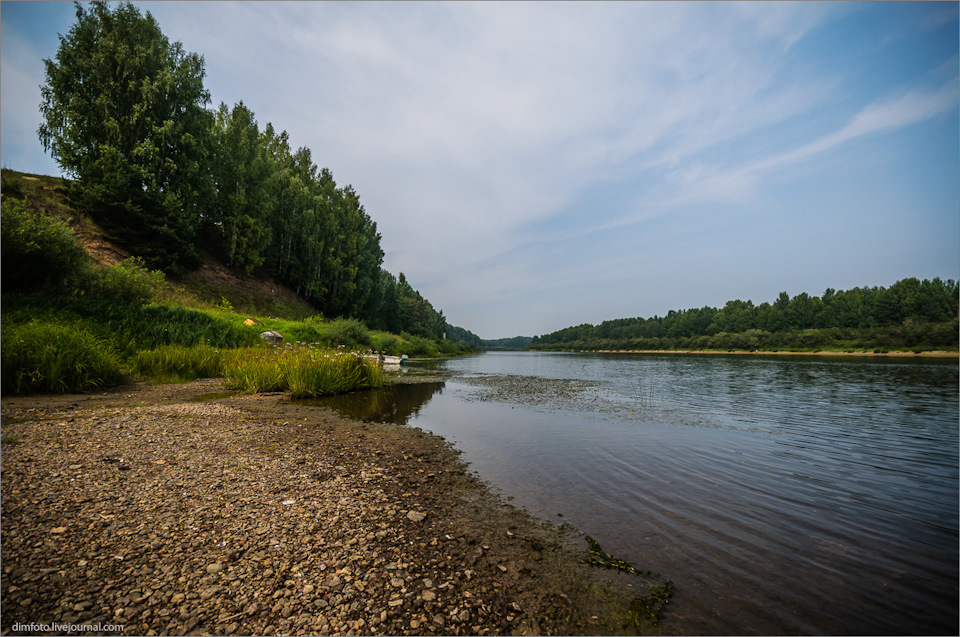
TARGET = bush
x,y
37,251
418,346
129,282
386,343
42,357
347,331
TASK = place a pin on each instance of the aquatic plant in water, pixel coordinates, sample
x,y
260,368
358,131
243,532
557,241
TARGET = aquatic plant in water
x,y
644,608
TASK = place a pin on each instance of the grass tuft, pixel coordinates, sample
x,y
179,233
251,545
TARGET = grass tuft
x,y
178,363
49,357
306,371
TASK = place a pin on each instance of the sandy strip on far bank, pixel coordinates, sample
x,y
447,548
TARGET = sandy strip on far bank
x,y
899,354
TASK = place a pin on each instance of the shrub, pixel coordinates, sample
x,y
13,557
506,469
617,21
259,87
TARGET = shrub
x,y
347,331
129,282
42,357
418,346
36,250
386,342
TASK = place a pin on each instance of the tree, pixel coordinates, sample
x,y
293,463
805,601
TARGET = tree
x,y
124,114
243,182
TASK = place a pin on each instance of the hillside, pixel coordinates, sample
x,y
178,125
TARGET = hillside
x,y
208,286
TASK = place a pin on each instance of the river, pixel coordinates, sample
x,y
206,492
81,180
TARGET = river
x,y
781,495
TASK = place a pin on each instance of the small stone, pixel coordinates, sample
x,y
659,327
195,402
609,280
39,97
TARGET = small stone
x,y
428,596
58,529
210,592
308,589
177,598
214,568
75,466
416,516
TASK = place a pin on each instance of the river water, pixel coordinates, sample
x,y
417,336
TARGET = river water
x,y
781,495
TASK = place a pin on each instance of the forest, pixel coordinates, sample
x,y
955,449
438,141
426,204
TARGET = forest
x,y
127,117
909,315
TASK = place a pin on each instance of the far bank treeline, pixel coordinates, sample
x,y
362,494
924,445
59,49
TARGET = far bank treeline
x,y
909,315
125,113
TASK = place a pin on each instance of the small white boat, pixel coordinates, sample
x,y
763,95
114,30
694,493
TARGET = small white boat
x,y
385,360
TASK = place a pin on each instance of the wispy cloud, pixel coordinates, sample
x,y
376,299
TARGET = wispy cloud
x,y
501,146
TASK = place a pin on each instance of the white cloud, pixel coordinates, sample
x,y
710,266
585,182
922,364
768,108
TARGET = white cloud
x,y
471,130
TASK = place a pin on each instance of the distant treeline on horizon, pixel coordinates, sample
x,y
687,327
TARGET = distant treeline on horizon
x,y
911,315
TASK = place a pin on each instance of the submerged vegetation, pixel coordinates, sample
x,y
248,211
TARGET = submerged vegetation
x,y
646,610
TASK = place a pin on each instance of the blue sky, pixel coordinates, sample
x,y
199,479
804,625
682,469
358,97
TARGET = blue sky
x,y
537,165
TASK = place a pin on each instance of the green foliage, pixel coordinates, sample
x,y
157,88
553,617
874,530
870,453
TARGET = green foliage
x,y
242,181
418,346
911,315
50,357
305,371
464,337
129,282
348,332
386,343
517,342
37,251
10,439
178,363
123,111
11,185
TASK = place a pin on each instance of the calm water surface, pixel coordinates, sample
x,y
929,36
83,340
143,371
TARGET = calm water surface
x,y
781,495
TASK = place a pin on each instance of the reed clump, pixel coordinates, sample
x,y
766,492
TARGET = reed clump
x,y
179,363
306,371
42,356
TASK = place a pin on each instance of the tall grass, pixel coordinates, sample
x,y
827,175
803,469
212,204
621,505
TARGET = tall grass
x,y
305,371
178,363
52,357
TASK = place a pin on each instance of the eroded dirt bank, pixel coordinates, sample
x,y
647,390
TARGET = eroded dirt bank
x,y
180,509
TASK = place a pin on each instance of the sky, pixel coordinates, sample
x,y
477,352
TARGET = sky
x,y
532,166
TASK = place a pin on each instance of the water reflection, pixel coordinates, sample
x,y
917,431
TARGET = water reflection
x,y
395,405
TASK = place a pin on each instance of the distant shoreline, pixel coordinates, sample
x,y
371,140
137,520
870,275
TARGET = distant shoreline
x,y
899,354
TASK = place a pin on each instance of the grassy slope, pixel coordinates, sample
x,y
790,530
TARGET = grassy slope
x,y
203,289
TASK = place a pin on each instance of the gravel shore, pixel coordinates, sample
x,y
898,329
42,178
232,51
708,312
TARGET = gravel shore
x,y
184,509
